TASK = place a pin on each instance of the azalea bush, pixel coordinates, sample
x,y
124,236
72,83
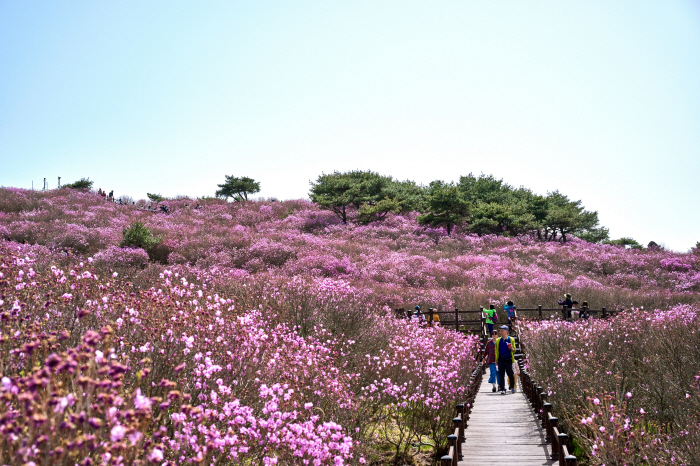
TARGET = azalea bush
x,y
628,387
175,367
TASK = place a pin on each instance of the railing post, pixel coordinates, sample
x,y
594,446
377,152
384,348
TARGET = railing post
x,y
463,415
562,440
571,460
457,423
431,311
446,460
457,319
452,441
605,312
554,431
539,311
547,426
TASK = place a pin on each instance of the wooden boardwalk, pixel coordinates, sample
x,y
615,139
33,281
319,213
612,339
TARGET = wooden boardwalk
x,y
502,430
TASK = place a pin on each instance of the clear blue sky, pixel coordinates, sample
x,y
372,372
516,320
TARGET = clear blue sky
x,y
598,99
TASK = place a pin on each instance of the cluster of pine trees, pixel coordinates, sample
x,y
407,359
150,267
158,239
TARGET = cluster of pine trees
x,y
481,205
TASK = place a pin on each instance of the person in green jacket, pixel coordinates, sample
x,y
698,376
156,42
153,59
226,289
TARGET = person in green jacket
x,y
490,313
505,355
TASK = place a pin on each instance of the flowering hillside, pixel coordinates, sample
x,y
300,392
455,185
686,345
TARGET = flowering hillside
x,y
260,332
397,261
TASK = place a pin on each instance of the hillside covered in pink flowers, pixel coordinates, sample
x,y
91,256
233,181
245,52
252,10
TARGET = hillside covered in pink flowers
x,y
397,260
261,332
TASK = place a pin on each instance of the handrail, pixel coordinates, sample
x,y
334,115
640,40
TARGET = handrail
x,y
401,312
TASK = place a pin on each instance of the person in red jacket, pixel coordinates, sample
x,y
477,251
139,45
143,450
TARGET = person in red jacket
x,y
490,359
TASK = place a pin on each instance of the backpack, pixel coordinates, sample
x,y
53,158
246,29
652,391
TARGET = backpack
x,y
495,316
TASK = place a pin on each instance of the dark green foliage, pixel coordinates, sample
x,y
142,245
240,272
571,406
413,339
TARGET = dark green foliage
x,y
485,189
482,205
628,243
509,219
138,236
447,207
567,217
82,183
155,197
378,210
595,235
238,188
395,197
340,191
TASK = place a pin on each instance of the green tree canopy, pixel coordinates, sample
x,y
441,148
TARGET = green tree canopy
x,y
137,235
568,217
447,207
483,204
485,188
82,183
509,218
628,243
157,198
237,188
339,191
397,197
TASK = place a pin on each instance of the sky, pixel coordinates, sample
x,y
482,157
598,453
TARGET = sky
x,y
599,100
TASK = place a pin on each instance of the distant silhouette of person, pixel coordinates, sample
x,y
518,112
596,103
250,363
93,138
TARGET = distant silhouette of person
x,y
509,307
111,195
584,313
568,304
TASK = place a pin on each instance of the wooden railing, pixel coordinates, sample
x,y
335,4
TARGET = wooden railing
x,y
448,319
602,312
453,319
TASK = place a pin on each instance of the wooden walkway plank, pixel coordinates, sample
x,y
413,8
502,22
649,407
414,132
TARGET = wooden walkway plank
x,y
503,429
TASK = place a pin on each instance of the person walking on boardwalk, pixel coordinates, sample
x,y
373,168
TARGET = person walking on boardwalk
x,y
490,359
509,307
490,316
505,355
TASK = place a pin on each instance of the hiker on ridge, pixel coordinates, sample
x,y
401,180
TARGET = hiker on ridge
x,y
584,314
491,316
417,315
566,313
505,355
